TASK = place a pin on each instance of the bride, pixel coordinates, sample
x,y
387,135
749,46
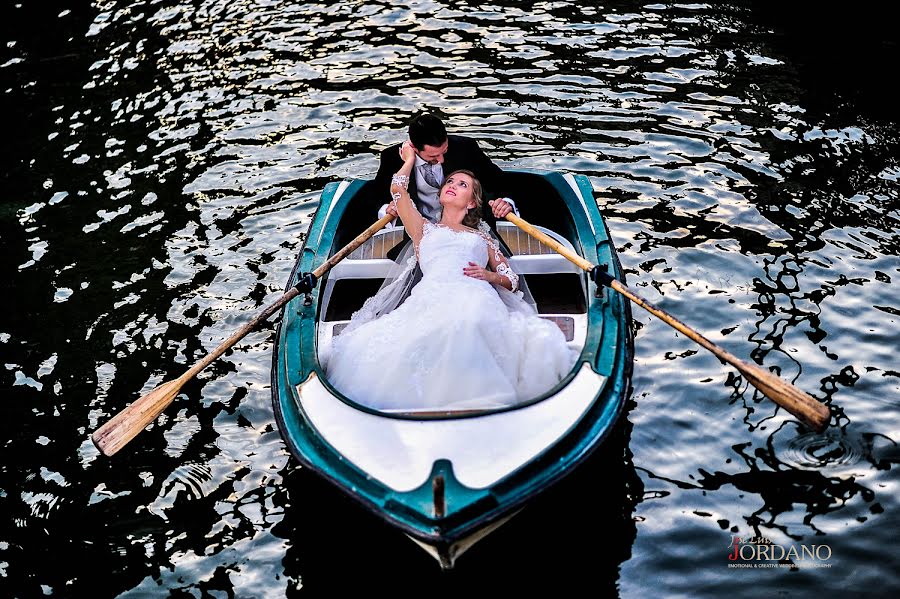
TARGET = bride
x,y
454,343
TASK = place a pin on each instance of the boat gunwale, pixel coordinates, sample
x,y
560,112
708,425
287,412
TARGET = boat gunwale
x,y
574,446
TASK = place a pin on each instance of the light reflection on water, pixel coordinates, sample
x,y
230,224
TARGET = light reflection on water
x,y
170,160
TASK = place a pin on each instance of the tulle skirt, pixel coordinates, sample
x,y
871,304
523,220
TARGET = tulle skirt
x,y
453,344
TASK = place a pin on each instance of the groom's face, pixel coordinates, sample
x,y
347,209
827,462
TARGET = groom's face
x,y
434,154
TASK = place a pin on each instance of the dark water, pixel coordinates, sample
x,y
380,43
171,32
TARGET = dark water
x,y
161,164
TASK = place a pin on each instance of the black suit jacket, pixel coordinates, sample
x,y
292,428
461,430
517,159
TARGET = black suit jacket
x,y
462,153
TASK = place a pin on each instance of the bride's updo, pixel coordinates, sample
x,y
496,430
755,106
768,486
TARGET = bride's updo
x,y
473,215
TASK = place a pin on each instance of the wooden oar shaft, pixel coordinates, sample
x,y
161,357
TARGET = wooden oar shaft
x,y
288,296
125,425
549,241
812,412
672,321
348,249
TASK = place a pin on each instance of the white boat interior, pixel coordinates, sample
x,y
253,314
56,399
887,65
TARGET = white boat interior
x,y
558,286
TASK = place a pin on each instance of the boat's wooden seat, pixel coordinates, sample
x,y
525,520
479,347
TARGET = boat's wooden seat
x,y
369,261
378,245
558,292
372,268
529,256
521,243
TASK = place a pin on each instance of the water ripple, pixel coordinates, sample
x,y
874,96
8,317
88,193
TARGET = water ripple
x,y
168,158
831,451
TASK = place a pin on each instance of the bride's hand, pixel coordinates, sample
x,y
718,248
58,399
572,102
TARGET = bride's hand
x,y
477,272
407,151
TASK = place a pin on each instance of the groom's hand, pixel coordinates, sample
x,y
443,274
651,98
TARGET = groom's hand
x,y
388,209
500,207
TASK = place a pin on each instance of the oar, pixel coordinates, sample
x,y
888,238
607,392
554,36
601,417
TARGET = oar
x,y
814,413
123,427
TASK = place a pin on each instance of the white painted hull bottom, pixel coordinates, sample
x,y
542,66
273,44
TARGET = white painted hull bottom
x,y
447,555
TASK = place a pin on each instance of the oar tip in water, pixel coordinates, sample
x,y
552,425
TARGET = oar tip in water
x,y
811,411
125,425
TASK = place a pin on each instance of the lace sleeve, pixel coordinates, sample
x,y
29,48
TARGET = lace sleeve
x,y
501,265
427,226
506,271
400,181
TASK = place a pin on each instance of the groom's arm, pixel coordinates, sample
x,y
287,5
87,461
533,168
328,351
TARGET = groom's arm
x,y
387,166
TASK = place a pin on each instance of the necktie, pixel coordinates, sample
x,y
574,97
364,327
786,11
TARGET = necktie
x,y
429,177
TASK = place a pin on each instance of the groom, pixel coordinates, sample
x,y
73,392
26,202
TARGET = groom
x,y
438,155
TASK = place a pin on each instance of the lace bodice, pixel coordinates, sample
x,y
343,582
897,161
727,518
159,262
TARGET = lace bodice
x,y
445,251
443,248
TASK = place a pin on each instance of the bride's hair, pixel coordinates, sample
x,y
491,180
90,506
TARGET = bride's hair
x,y
473,216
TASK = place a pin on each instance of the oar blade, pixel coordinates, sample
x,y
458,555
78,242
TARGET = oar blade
x,y
812,412
125,425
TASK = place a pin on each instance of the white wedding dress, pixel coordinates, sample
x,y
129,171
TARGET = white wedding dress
x,y
453,344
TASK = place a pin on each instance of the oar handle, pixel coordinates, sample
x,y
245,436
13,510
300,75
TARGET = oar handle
x,y
125,425
811,411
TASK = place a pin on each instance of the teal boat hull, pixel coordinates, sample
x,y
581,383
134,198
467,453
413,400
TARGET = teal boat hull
x,y
443,513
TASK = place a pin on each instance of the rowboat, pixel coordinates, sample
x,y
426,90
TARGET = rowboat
x,y
446,479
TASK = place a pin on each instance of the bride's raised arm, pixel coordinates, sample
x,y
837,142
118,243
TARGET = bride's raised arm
x,y
413,221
